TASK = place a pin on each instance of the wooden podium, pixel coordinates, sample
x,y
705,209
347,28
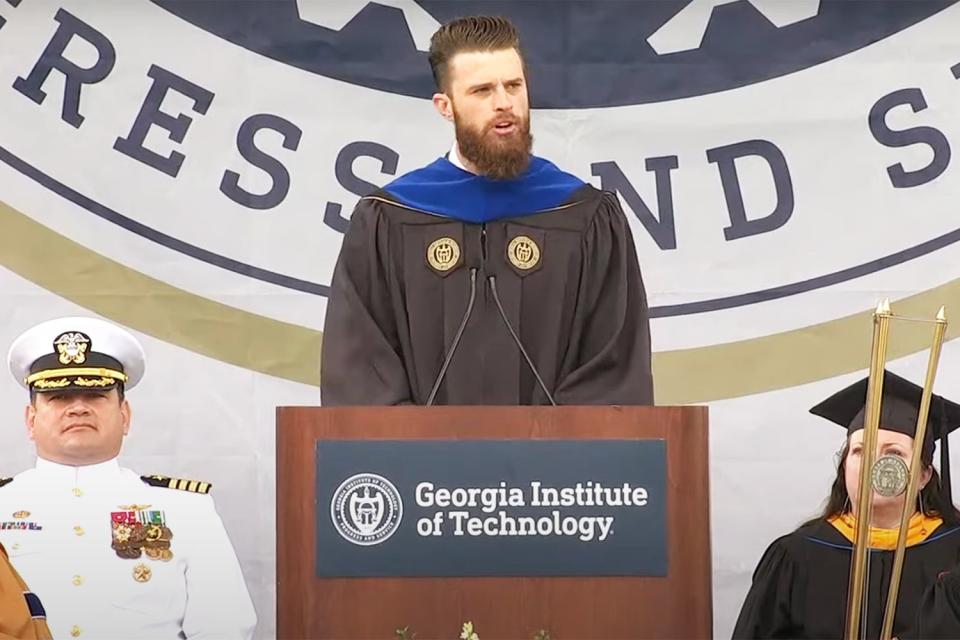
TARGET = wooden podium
x,y
675,606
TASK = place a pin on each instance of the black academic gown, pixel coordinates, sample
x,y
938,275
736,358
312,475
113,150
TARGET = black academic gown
x,y
580,311
799,588
939,614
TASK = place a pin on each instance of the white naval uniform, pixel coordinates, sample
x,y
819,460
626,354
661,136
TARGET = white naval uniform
x,y
62,550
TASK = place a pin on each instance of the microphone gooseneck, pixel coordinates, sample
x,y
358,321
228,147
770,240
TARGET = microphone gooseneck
x,y
496,298
456,338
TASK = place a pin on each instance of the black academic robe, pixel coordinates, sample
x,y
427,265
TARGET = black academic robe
x,y
580,311
939,614
799,588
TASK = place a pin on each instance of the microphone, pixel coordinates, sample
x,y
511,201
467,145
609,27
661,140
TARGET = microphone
x,y
493,289
456,338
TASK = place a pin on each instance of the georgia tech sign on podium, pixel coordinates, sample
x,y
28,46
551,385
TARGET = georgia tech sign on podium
x,y
491,508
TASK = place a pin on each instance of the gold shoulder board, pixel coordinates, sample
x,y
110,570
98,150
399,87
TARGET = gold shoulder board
x,y
193,486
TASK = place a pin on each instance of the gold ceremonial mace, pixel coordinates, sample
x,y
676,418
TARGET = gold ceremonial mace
x,y
933,361
858,573
871,421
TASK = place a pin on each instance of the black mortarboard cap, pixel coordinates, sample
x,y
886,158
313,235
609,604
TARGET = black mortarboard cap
x,y
898,412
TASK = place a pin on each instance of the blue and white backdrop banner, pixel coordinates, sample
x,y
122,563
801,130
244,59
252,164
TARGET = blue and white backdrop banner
x,y
187,169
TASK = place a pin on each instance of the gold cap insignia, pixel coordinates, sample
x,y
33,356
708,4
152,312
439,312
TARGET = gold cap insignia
x,y
142,573
20,515
443,254
523,253
52,384
72,347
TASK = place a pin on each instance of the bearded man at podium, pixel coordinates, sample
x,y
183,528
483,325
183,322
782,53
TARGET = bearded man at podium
x,y
489,276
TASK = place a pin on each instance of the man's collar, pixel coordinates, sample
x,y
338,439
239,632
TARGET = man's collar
x,y
454,157
443,189
102,471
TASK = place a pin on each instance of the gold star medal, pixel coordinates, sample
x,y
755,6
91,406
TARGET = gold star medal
x,y
142,573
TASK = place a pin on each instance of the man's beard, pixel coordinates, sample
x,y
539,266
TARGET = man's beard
x,y
494,156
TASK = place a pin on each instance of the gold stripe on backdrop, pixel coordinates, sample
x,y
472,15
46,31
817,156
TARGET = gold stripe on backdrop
x,y
289,351
795,357
126,296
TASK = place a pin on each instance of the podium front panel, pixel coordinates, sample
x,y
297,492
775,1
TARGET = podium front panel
x,y
462,508
434,593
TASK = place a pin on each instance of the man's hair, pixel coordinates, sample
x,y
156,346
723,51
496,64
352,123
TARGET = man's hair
x,y
472,33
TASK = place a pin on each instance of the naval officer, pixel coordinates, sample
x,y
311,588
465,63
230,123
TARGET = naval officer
x,y
114,554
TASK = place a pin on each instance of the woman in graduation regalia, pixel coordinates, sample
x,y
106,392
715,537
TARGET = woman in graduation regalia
x,y
799,588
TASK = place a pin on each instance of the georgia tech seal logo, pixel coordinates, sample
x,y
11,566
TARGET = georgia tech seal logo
x,y
523,253
443,254
366,509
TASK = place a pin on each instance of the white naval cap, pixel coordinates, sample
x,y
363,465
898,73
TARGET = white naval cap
x,y
76,354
